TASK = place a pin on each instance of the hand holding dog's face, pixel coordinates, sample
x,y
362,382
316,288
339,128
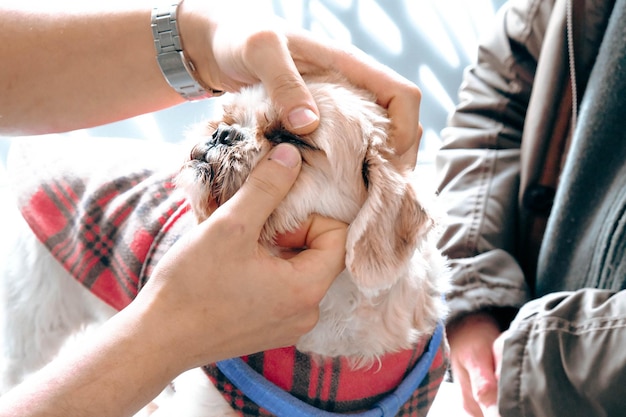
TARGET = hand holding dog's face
x,y
346,175
316,231
189,287
331,182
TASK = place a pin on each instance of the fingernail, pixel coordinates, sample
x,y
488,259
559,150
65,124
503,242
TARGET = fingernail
x,y
287,155
302,117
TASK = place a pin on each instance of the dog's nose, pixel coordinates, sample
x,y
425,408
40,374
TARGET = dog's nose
x,y
227,135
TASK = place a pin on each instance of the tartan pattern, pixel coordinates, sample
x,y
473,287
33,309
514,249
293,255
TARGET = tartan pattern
x,y
110,229
109,237
301,368
423,398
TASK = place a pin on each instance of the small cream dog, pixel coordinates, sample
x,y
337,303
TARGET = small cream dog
x,y
389,297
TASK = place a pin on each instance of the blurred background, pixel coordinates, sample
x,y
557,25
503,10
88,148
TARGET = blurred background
x,y
427,41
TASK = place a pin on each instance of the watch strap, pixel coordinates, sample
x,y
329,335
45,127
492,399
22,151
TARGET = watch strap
x,y
179,72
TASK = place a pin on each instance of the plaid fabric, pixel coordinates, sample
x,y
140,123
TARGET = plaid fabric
x,y
109,226
109,238
332,386
422,400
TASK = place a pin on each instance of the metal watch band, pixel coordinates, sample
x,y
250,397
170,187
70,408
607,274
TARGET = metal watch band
x,y
176,68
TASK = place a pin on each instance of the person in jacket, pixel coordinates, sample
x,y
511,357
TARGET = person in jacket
x,y
96,63
533,172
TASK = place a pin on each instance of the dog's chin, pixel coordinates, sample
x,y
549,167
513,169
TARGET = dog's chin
x,y
388,297
213,174
207,192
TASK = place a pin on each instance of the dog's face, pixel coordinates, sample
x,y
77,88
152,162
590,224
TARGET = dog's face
x,y
346,175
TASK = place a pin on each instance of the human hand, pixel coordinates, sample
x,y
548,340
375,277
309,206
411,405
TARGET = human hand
x,y
498,350
473,363
215,294
219,294
246,48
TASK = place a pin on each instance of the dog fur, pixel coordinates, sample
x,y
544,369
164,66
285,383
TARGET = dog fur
x,y
388,298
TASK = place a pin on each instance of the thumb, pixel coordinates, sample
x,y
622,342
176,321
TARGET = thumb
x,y
275,67
290,94
266,186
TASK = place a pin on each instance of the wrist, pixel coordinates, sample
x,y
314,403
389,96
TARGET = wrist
x,y
196,25
179,70
170,326
471,323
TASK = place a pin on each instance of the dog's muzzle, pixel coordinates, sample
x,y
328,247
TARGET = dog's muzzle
x,y
217,146
226,135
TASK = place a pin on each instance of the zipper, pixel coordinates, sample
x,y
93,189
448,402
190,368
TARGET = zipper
x,y
571,58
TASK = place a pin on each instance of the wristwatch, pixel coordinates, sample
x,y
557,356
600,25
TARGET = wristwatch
x,y
178,71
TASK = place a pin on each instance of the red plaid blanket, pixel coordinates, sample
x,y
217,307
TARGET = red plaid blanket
x,y
107,210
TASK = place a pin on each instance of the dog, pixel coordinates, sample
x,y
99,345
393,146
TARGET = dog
x,y
389,298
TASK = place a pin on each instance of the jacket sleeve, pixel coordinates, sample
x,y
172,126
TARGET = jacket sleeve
x,y
478,164
565,356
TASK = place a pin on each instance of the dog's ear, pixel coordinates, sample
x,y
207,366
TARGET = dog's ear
x,y
388,228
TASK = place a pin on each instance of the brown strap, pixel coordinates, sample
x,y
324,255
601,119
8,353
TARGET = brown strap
x,y
559,141
549,178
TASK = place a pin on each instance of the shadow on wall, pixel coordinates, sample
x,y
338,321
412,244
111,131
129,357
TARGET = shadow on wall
x,y
427,41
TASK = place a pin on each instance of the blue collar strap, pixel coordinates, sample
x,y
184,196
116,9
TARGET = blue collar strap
x,y
282,404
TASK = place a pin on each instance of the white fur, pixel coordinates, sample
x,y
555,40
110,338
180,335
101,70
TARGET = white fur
x,y
387,299
42,306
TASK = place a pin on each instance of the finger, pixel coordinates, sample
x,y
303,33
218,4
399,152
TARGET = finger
x,y
294,239
469,403
405,136
270,59
398,95
325,255
498,350
266,186
484,387
406,130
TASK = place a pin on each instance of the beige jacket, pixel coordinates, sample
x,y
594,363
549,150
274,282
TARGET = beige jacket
x,y
495,175
500,166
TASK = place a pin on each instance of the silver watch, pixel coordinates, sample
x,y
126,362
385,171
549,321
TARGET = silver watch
x,y
176,68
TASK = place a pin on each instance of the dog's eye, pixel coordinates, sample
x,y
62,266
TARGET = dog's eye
x,y
365,173
284,136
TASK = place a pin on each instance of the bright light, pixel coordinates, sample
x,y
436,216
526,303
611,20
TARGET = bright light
x,y
383,30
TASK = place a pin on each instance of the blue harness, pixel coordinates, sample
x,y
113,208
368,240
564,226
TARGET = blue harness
x,y
282,404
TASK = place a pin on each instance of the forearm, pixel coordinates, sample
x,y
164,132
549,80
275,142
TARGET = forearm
x,y
115,374
78,68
